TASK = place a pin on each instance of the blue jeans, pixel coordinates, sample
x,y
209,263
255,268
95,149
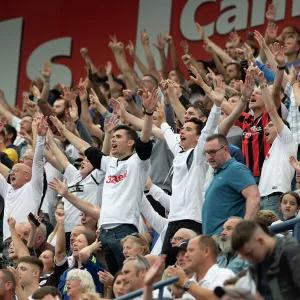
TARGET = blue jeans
x,y
271,202
113,250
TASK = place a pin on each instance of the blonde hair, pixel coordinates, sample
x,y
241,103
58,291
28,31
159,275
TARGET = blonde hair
x,y
267,217
85,278
139,240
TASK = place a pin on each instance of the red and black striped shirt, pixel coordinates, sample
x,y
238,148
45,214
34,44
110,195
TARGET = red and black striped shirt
x,y
254,148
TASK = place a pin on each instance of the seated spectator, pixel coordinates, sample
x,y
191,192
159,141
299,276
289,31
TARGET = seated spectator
x,y
44,292
201,255
227,258
289,205
267,217
134,244
79,282
277,275
118,286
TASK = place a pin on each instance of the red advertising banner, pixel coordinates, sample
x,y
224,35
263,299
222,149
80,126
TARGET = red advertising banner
x,y
34,31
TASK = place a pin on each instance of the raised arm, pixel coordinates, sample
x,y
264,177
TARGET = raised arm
x,y
246,91
149,55
19,245
86,252
60,246
160,46
175,60
77,142
86,207
5,113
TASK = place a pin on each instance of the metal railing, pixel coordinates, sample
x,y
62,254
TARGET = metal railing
x,y
159,285
293,224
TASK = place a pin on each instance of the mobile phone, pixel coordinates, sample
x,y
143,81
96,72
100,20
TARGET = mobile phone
x,y
100,269
34,220
191,73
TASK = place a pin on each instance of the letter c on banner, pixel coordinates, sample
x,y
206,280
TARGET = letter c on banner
x,y
187,21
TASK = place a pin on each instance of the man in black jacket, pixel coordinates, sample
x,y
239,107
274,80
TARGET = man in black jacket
x,y
274,262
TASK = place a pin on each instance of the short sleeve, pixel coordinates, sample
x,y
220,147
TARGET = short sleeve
x,y
286,136
241,178
71,173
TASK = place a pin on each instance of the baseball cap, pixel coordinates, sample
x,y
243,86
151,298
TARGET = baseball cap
x,y
181,246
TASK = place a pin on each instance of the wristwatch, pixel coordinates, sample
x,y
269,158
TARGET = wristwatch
x,y
187,285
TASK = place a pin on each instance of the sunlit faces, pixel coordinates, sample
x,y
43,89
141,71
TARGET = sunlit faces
x,y
59,108
257,100
133,280
189,136
74,287
232,71
270,132
290,46
19,175
130,248
12,254
289,206
194,255
47,257
149,83
230,49
182,259
215,153
75,233
80,243
27,273
25,124
225,240
190,113
85,168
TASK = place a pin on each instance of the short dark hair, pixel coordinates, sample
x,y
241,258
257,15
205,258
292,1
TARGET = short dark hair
x,y
206,241
154,79
96,140
115,278
220,137
199,125
197,107
243,233
131,133
11,130
44,291
32,260
9,276
293,194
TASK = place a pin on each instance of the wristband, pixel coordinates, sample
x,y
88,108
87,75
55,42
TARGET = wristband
x,y
148,114
280,68
245,100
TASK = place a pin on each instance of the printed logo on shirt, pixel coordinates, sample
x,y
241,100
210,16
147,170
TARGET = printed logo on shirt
x,y
76,188
116,179
267,156
255,130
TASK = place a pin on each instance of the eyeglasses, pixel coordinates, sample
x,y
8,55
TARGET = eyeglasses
x,y
176,239
213,152
16,170
136,234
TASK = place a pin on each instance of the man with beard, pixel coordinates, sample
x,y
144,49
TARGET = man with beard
x,y
228,258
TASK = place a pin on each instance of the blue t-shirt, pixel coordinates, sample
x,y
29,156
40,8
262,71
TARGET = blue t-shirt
x,y
223,197
93,266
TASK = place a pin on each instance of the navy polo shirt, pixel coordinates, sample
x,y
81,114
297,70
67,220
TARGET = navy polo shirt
x,y
223,197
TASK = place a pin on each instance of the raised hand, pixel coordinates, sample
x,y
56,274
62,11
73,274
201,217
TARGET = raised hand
x,y
154,270
30,105
25,136
275,47
93,97
127,94
207,48
258,75
295,163
280,57
271,13
260,39
168,38
210,76
144,37
82,92
185,46
217,96
108,68
272,30
11,222
59,187
114,103
74,111
240,53
106,278
111,124
130,48
186,60
200,30
235,38
247,87
68,95
161,115
46,70
178,271
84,52
57,123
197,79
70,125
160,44
150,100
292,75
59,216
36,92
42,127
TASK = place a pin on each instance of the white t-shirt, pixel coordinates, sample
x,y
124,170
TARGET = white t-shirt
x,y
50,199
86,189
277,173
214,277
15,122
20,202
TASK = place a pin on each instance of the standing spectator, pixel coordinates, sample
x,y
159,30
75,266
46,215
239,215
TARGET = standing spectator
x,y
240,195
7,285
274,262
291,48
276,173
201,255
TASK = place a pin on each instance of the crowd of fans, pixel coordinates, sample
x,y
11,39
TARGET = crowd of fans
x,y
122,181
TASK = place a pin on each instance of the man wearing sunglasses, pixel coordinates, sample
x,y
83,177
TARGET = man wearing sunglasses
x,y
23,194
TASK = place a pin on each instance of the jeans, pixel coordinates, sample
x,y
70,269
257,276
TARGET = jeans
x,y
113,250
271,202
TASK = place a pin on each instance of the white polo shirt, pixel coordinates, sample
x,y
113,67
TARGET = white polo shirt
x,y
277,173
214,277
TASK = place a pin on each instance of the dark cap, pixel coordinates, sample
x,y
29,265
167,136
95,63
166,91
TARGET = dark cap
x,y
182,246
